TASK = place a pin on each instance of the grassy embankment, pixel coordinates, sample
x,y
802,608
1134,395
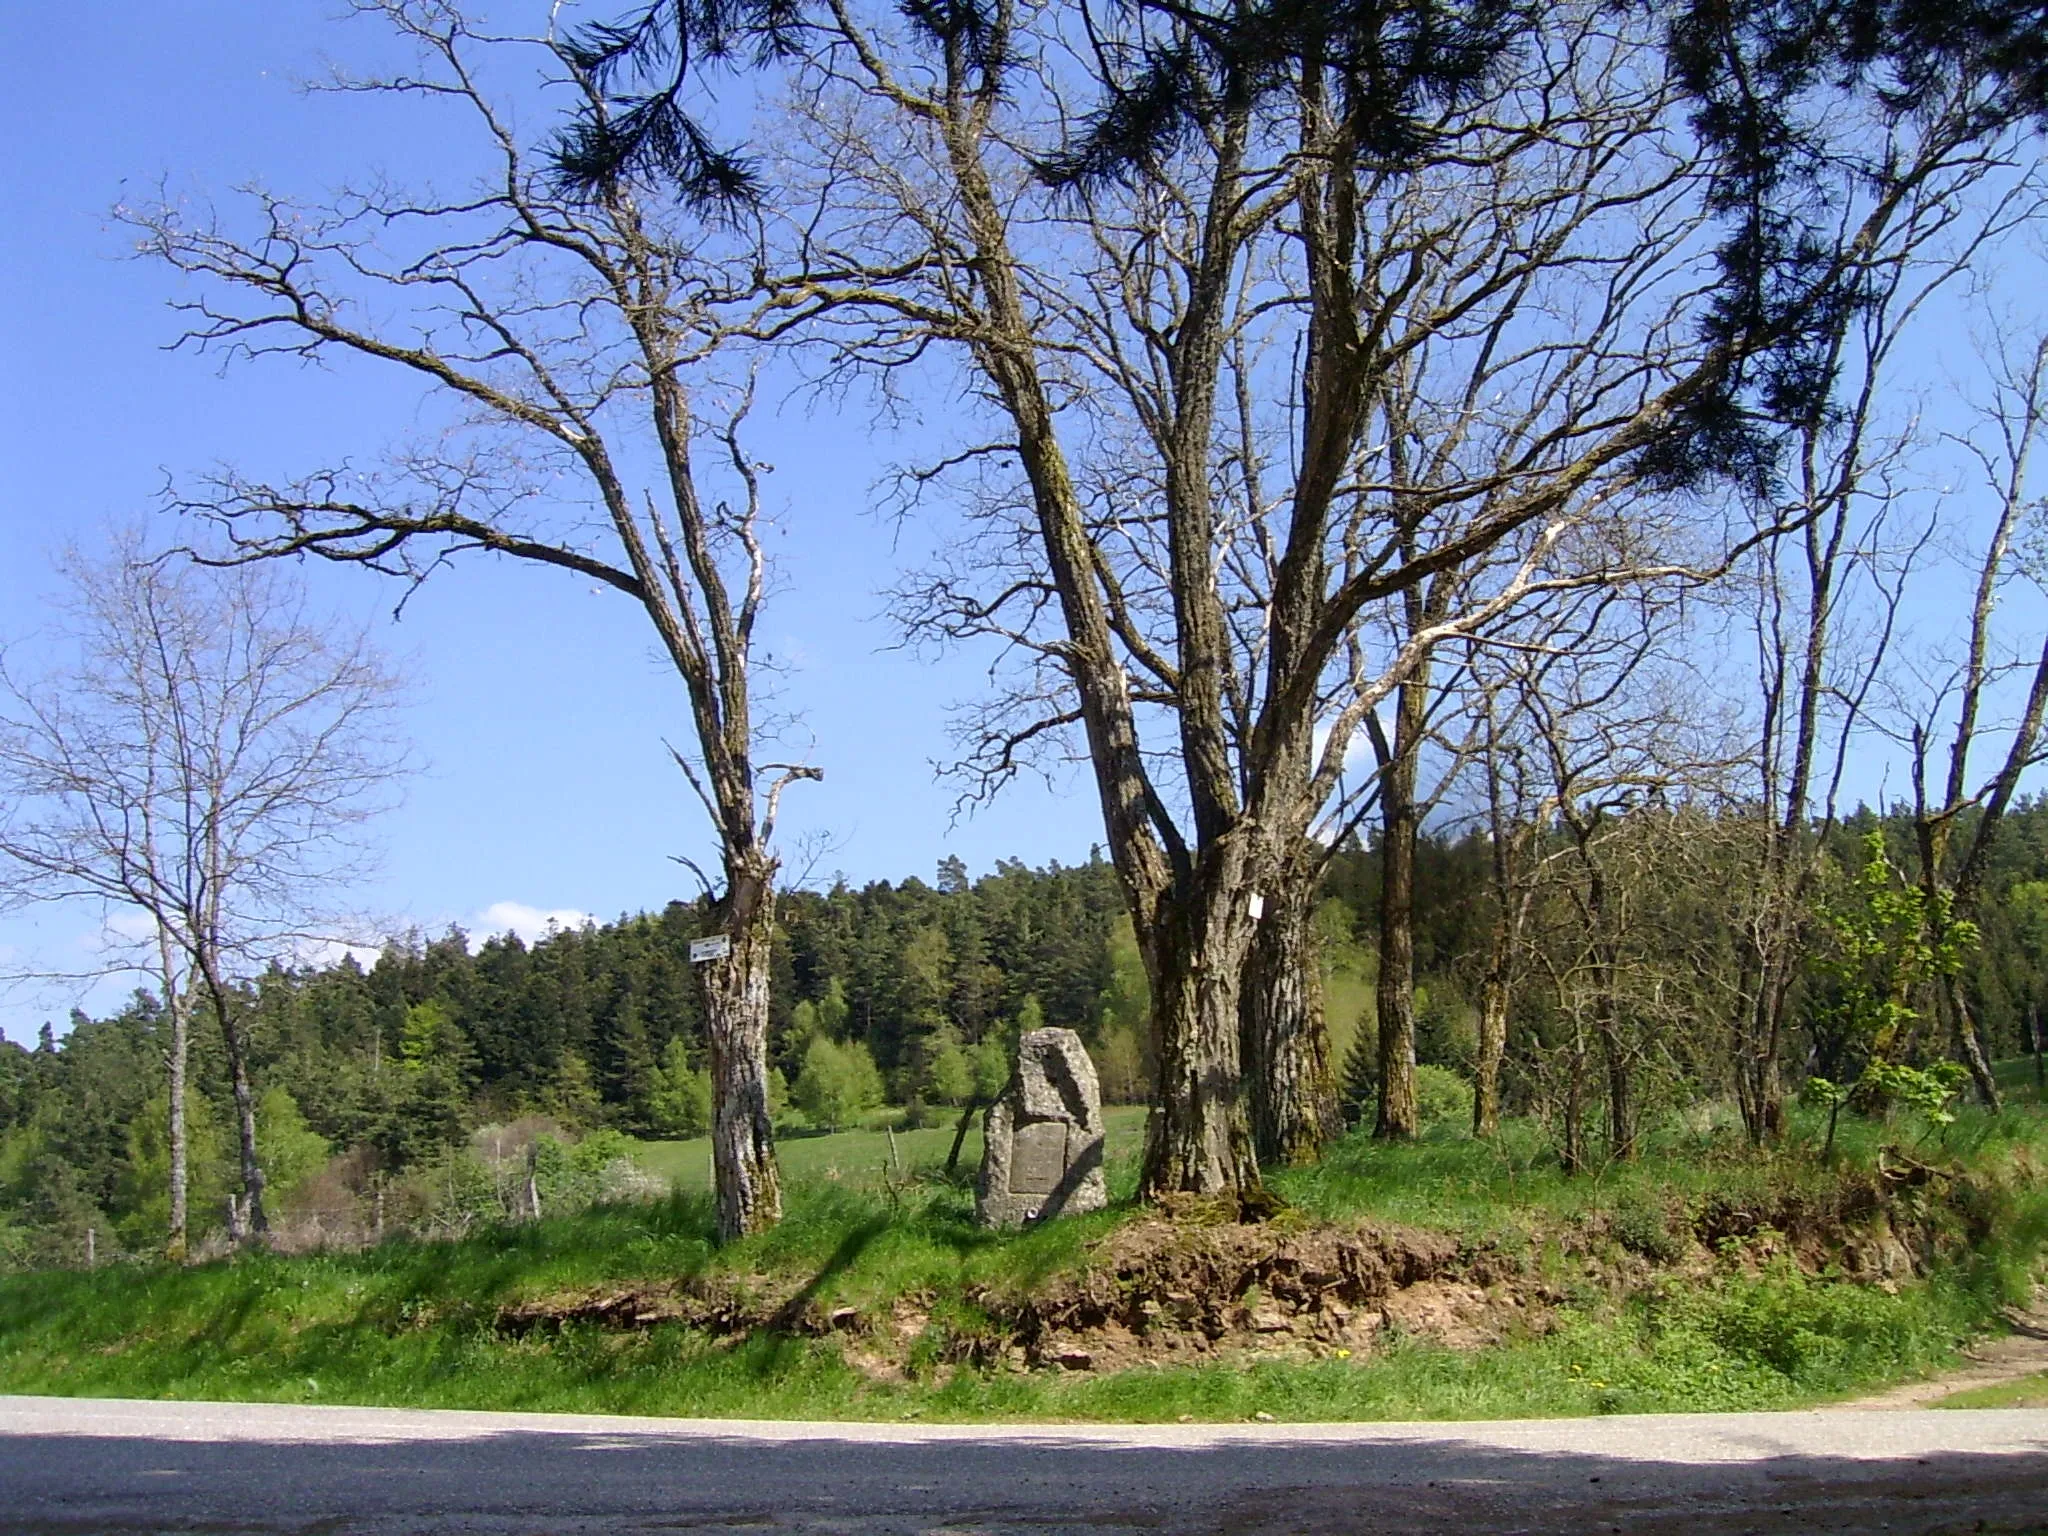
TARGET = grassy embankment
x,y
418,1324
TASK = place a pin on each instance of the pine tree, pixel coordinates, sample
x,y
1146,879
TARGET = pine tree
x,y
1359,1093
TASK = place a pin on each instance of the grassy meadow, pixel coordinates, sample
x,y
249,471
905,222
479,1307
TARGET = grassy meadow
x,y
866,1158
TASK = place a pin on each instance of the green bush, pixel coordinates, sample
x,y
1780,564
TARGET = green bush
x,y
1442,1097
679,1102
1642,1225
291,1152
601,1166
1358,1091
837,1084
449,1193
991,1067
948,1076
1819,1336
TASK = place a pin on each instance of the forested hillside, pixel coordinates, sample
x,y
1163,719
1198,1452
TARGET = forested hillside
x,y
905,994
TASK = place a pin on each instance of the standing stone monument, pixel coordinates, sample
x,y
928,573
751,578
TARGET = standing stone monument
x,y
1042,1140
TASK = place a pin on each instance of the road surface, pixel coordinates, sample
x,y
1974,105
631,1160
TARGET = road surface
x,y
73,1466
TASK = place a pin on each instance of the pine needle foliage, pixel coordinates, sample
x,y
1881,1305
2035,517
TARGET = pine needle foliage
x,y
636,128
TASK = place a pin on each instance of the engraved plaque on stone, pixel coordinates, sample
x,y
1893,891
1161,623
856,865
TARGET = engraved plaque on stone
x,y
1042,1137
1039,1158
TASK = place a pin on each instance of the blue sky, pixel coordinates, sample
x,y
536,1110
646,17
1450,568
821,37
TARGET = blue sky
x,y
540,705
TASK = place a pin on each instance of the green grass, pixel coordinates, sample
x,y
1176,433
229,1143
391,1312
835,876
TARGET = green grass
x,y
861,1158
2029,1393
411,1323
2018,1081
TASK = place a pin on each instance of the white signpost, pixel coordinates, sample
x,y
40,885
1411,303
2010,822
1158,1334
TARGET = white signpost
x,y
717,947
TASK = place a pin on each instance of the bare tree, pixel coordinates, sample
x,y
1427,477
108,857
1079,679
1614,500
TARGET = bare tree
x,y
1621,755
578,339
1952,850
1116,212
1514,774
1401,811
1291,1081
203,756
1822,598
1599,769
1193,609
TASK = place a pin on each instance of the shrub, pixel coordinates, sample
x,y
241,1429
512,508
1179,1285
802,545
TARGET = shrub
x,y
1643,1226
992,1068
447,1195
1360,1087
1442,1097
837,1084
291,1152
948,1076
679,1102
1816,1334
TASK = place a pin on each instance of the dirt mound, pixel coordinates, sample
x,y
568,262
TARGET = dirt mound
x,y
1158,1289
1154,1290
1879,1228
1200,1279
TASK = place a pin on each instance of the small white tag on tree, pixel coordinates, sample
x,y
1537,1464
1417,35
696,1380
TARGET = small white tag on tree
x,y
717,947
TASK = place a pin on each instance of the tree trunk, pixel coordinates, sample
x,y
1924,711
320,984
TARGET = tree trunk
x,y
1493,1044
1512,895
1758,1091
744,1170
1572,1148
178,1013
1286,1046
1621,1118
1969,1046
1395,993
253,1221
966,1123
255,1218
1197,1136
175,1240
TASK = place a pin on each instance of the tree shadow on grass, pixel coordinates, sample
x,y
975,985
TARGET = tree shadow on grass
x,y
795,1312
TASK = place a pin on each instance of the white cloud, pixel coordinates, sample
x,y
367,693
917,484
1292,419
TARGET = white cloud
x,y
1359,764
1357,751
121,932
129,927
325,952
530,923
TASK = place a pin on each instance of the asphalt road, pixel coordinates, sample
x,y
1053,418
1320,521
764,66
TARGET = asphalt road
x,y
77,1465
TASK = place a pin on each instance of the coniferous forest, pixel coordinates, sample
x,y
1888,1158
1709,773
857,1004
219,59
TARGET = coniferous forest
x,y
890,1001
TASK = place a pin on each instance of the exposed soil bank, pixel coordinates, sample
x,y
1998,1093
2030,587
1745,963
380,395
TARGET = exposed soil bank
x,y
1198,1282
